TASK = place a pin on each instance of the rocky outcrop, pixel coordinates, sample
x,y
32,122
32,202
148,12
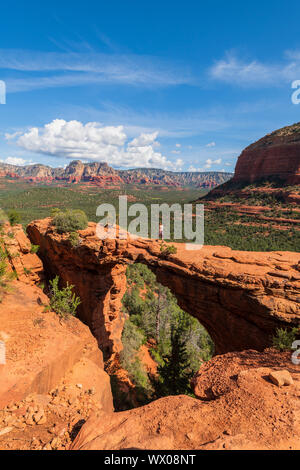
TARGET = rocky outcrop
x,y
250,413
26,264
239,297
39,348
277,155
101,174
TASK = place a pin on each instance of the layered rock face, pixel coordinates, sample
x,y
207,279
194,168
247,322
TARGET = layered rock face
x,y
277,155
239,297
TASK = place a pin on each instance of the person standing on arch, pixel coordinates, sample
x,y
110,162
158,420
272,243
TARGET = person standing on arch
x,y
161,231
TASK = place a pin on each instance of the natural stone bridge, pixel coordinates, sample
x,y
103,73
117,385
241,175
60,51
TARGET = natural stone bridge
x,y
239,297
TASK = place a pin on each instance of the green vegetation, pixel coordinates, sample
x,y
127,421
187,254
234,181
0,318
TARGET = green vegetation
x,y
70,220
14,217
167,249
284,338
176,341
5,276
222,226
74,239
175,373
34,248
62,301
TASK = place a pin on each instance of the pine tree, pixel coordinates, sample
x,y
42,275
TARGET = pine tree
x,y
174,375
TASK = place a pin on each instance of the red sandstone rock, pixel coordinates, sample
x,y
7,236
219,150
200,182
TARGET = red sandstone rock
x,y
253,414
240,297
39,348
275,155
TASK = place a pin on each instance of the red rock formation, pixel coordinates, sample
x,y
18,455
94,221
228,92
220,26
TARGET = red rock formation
x,y
275,155
102,174
240,297
250,412
40,349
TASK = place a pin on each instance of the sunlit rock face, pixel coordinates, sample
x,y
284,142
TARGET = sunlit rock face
x,y
239,297
277,155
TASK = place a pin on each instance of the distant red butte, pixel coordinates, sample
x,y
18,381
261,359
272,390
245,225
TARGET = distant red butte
x,y
275,155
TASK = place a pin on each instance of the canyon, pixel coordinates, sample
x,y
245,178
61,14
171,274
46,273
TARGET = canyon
x,y
54,381
55,387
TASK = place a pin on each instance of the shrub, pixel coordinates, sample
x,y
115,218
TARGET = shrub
x,y
74,239
132,339
14,217
5,276
62,301
284,338
168,249
54,211
34,248
70,221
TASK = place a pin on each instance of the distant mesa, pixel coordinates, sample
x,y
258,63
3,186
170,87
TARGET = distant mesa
x,y
101,174
277,155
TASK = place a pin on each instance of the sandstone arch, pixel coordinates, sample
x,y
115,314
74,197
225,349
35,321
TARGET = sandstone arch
x,y
239,297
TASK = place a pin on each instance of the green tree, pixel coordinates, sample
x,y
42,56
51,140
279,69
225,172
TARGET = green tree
x,y
62,301
14,217
174,374
283,339
70,220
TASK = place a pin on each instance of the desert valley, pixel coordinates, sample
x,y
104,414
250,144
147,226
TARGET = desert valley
x,y
140,343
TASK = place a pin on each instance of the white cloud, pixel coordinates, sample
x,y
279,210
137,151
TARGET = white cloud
x,y
178,145
208,164
12,136
211,144
93,142
175,151
254,73
143,139
15,161
73,69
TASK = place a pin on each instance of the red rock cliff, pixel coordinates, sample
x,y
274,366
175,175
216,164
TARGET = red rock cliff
x,y
275,155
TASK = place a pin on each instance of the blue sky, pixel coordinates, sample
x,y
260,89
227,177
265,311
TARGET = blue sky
x,y
178,85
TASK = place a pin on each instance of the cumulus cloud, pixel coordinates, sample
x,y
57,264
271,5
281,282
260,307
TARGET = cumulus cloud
x,y
211,144
208,164
15,161
94,142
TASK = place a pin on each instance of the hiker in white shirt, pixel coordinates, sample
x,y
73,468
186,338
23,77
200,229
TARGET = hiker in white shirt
x,y
161,231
